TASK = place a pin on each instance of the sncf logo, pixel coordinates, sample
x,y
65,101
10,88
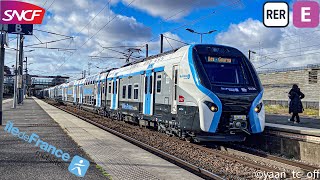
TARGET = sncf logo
x,y
16,12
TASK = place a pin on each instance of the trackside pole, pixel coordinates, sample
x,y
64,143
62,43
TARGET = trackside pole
x,y
2,51
15,77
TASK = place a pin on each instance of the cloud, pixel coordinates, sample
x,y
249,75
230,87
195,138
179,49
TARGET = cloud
x,y
176,8
69,18
248,34
170,41
275,47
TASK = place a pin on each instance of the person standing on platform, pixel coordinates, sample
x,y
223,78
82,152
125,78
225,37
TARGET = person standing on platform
x,y
295,105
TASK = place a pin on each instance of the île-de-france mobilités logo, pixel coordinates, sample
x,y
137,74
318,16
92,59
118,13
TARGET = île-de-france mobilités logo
x,y
79,166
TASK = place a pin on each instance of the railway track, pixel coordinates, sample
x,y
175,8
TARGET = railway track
x,y
201,171
192,168
303,166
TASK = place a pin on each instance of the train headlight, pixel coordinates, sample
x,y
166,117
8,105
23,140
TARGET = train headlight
x,y
213,107
258,108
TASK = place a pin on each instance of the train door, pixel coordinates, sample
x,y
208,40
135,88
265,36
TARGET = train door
x,y
78,93
114,98
174,89
74,93
81,93
109,93
103,93
98,103
148,94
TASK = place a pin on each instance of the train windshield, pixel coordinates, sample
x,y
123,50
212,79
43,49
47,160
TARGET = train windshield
x,y
222,70
221,66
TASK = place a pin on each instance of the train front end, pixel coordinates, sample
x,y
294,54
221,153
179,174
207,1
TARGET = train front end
x,y
230,104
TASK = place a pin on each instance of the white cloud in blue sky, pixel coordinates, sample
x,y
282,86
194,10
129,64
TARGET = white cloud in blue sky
x,y
238,24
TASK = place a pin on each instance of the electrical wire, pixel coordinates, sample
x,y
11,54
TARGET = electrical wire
x,y
96,33
176,40
49,42
52,33
50,5
168,42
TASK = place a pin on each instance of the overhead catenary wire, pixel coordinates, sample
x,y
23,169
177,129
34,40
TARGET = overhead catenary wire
x,y
168,42
50,5
287,51
235,2
124,8
167,18
281,58
176,40
60,49
44,3
107,5
52,33
37,38
49,42
195,21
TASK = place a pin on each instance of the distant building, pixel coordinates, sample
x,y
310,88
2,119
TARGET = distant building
x,y
58,80
277,84
7,70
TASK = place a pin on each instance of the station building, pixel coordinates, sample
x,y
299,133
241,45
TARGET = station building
x,y
277,84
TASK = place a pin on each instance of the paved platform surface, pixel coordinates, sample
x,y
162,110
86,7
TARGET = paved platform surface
x,y
304,121
121,159
18,158
6,101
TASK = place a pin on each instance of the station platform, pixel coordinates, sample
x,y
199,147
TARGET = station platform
x,y
120,159
283,119
22,160
6,101
307,126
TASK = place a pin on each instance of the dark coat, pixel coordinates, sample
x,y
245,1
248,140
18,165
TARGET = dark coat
x,y
295,96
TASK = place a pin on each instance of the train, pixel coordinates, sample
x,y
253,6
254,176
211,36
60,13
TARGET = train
x,y
200,92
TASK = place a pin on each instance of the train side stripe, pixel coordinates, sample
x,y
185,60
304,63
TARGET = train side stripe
x,y
253,116
213,97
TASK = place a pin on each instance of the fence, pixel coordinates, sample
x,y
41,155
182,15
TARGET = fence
x,y
306,104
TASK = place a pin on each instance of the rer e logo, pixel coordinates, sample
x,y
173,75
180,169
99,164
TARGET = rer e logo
x,y
276,14
16,12
305,14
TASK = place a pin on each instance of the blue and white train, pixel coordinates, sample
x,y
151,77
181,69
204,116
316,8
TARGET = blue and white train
x,y
197,92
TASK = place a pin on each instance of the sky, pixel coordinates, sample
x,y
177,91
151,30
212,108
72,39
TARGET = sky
x,y
97,24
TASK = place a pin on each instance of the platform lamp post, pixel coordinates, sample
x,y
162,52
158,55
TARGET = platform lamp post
x,y
253,52
25,83
200,33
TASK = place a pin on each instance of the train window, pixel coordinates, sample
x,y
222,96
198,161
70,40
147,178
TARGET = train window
x,y
136,92
145,85
116,87
150,87
176,76
124,89
175,83
109,88
113,87
159,86
129,91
